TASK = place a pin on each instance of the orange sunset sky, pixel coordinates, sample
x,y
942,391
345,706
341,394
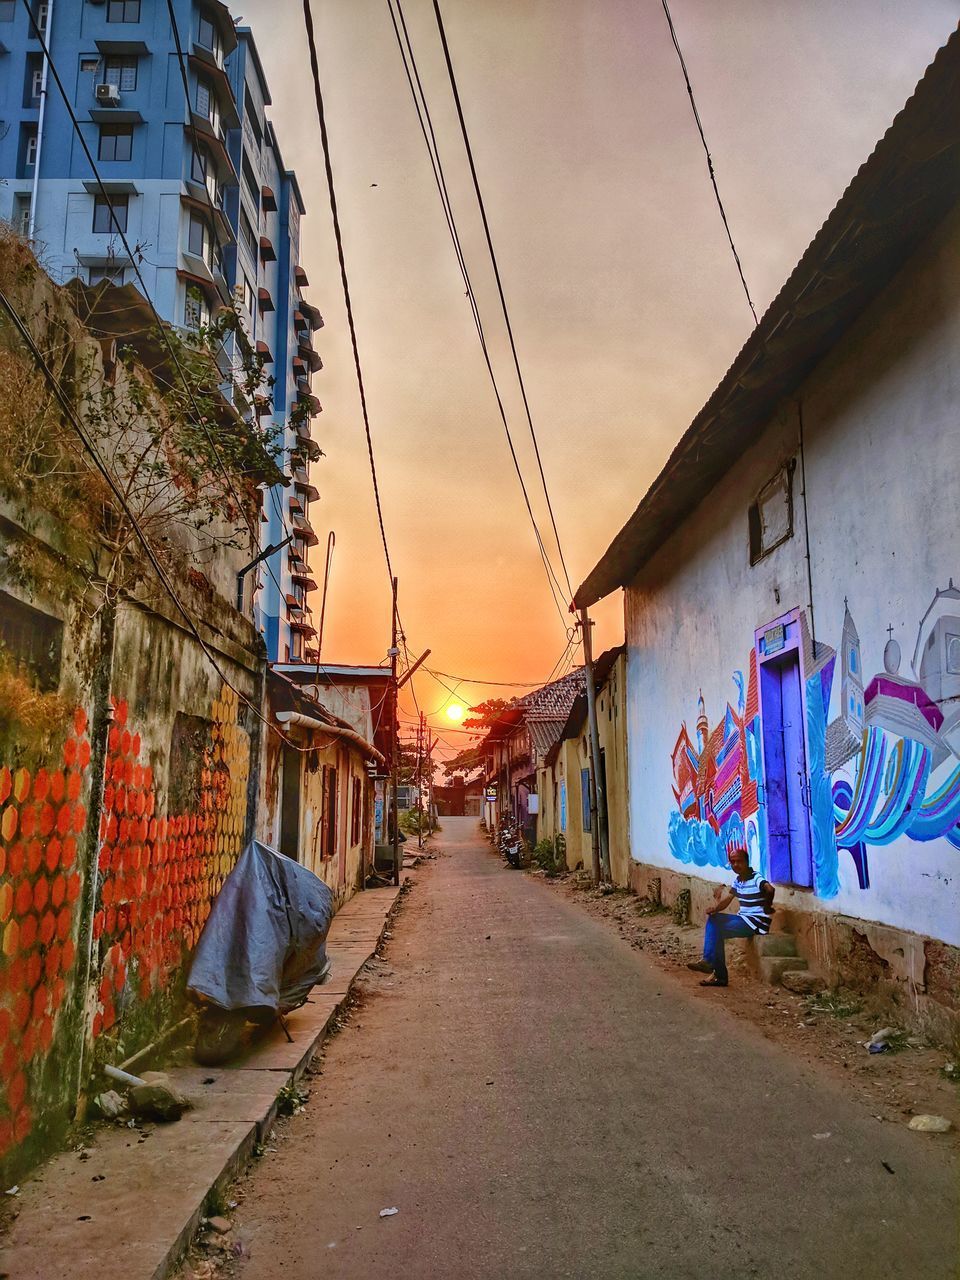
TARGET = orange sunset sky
x,y
624,297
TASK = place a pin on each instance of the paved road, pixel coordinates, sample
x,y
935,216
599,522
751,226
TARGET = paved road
x,y
543,1102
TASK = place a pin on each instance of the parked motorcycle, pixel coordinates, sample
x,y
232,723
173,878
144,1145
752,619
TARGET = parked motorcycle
x,y
261,952
509,840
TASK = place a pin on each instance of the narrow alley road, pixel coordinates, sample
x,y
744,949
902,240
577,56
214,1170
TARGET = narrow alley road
x,y
538,1100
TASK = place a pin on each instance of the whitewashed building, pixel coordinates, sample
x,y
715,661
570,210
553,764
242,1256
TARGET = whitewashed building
x,y
792,587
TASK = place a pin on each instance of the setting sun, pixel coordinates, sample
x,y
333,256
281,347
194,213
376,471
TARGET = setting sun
x,y
455,711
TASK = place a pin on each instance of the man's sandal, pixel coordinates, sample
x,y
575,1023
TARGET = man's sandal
x,y
714,982
700,966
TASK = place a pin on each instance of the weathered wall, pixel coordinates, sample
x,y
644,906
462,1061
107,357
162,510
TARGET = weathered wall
x,y
612,726
124,761
341,865
881,777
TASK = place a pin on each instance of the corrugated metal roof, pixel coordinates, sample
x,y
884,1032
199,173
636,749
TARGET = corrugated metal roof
x,y
898,195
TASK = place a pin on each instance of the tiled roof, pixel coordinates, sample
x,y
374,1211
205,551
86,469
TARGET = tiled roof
x,y
553,701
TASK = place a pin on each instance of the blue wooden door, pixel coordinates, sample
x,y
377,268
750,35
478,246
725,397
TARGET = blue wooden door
x,y
785,772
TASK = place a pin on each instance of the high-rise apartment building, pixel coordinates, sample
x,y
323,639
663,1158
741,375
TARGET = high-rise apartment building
x,y
197,184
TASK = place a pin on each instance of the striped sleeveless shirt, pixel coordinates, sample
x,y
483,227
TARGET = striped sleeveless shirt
x,y
753,905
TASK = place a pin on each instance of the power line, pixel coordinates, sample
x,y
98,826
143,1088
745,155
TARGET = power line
x,y
429,136
328,168
496,272
706,152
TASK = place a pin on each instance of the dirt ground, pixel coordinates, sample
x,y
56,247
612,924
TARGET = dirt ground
x,y
457,1090
829,1031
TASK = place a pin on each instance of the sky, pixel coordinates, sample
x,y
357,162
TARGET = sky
x,y
623,294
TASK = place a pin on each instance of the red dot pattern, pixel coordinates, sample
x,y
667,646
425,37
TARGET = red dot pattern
x,y
157,877
40,811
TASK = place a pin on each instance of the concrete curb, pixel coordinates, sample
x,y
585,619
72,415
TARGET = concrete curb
x,y
128,1208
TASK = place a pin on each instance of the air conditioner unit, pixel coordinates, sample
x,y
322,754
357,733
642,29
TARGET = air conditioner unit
x,y
108,95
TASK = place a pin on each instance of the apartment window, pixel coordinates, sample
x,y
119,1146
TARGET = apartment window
x,y
200,239
247,235
122,72
116,142
208,35
123,11
770,518
103,223
196,309
30,149
97,275
198,166
40,12
249,295
34,81
90,65
207,105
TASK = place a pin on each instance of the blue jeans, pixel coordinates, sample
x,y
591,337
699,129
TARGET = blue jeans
x,y
720,927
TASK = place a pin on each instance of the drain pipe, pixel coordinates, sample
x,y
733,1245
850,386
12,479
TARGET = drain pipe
x,y
598,797
40,118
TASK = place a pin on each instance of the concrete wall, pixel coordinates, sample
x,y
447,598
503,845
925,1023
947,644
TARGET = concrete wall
x,y
882,480
123,783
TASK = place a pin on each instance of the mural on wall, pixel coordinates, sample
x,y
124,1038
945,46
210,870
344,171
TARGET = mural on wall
x,y
867,775
716,782
157,876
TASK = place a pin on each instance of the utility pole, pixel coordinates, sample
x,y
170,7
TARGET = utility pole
x,y
395,728
420,743
598,798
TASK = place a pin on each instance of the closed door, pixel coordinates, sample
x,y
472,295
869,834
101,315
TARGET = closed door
x,y
785,772
290,803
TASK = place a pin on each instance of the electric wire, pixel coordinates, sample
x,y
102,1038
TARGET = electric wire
x,y
706,152
496,272
429,136
328,168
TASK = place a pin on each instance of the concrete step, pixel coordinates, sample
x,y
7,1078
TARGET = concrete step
x,y
773,967
777,944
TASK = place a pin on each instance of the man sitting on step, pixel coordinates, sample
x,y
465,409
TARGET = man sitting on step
x,y
755,896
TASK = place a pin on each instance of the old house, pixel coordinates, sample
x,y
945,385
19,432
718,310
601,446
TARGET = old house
x,y
791,600
323,774
564,775
514,748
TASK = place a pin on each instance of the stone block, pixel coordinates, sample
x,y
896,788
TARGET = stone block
x,y
772,968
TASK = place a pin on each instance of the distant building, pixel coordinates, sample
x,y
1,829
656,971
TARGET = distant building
x,y
201,194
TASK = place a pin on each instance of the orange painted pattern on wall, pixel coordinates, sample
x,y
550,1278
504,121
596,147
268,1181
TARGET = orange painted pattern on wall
x,y
41,819
158,875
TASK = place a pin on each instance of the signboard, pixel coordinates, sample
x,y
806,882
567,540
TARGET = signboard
x,y
774,638
490,794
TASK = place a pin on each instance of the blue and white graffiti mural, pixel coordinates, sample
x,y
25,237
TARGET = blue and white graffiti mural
x,y
794,787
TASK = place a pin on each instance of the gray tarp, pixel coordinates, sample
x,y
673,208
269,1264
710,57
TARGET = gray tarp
x,y
263,946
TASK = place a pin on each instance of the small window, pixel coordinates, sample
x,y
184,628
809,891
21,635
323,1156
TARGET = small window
x,y
32,641
35,86
198,166
30,149
329,819
953,654
122,72
90,65
208,35
106,224
200,240
7,10
770,518
123,11
249,295
204,98
196,310
97,275
21,215
247,234
116,142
